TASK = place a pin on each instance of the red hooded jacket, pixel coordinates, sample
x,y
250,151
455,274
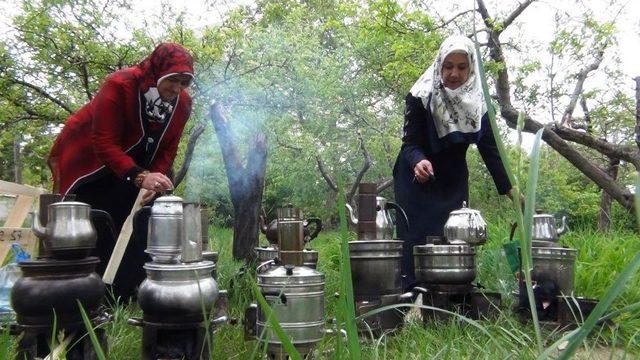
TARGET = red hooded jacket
x,y
101,132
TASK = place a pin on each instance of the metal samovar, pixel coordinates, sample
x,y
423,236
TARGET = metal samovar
x,y
295,293
445,269
376,262
179,295
52,287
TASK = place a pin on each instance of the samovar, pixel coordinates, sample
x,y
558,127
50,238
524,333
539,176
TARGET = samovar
x,y
179,295
53,288
376,262
294,292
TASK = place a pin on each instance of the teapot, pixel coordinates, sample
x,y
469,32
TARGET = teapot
x,y
271,230
467,225
544,227
384,222
69,233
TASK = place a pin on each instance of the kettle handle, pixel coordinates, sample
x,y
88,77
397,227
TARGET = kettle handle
x,y
316,230
396,207
136,216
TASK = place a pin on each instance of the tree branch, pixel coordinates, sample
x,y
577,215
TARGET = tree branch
x,y
582,76
384,184
42,92
325,174
511,17
196,131
363,170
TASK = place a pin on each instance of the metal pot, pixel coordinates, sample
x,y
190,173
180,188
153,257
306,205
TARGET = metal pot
x,y
164,242
444,264
296,297
266,253
69,233
554,264
375,267
544,227
50,288
466,224
177,292
384,223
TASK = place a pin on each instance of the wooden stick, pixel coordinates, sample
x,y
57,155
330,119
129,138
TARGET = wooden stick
x,y
19,212
123,241
19,189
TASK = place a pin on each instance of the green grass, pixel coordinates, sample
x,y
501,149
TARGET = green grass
x,y
601,258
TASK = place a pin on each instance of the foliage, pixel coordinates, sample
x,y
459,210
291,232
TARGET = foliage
x,y
316,77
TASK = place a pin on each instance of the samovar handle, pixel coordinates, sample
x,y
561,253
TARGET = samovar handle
x,y
316,230
396,207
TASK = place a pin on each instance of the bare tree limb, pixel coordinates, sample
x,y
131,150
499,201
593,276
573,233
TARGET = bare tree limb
x,y
577,91
511,17
587,116
42,92
325,174
196,131
384,184
363,170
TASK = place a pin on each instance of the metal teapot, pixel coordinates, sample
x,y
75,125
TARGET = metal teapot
x,y
384,222
466,224
544,227
271,230
69,232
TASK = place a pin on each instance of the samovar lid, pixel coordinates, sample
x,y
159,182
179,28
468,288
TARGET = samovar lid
x,y
287,275
464,210
69,204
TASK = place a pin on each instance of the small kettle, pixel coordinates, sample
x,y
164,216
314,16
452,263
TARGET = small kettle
x,y
69,232
544,227
466,224
271,231
384,222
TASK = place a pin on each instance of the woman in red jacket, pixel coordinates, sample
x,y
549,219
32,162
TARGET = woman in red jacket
x,y
125,139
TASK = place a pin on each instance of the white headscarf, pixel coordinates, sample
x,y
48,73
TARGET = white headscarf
x,y
458,110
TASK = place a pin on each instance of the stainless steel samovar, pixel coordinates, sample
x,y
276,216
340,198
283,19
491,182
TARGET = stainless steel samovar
x,y
179,295
294,292
376,262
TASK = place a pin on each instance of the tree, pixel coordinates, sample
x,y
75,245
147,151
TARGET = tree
x,y
563,135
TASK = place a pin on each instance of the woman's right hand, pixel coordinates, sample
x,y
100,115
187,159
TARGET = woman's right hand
x,y
157,182
423,170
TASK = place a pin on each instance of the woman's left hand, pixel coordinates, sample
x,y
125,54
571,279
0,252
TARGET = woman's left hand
x,y
147,197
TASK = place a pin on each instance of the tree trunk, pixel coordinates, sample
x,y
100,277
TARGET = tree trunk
x,y
638,111
604,217
246,183
17,160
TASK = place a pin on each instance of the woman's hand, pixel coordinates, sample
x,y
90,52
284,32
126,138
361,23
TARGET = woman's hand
x,y
156,182
423,171
147,197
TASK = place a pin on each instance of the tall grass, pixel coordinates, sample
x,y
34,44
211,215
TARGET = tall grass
x,y
524,220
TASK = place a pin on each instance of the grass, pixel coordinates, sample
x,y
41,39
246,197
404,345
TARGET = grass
x,y
601,258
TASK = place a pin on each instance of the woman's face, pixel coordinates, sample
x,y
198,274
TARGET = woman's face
x,y
170,87
455,70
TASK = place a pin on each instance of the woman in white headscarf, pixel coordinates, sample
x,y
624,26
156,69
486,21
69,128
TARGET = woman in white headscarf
x,y
445,113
